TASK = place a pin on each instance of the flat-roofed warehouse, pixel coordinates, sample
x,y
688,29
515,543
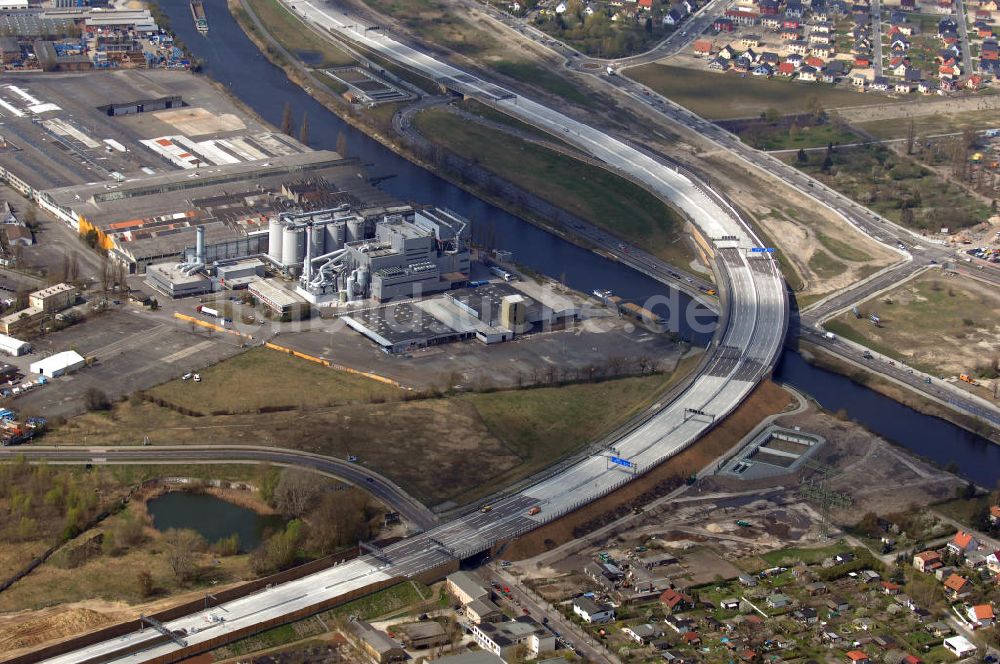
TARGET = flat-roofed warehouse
x,y
152,219
92,144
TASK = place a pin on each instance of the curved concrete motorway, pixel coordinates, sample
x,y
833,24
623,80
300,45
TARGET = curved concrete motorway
x,y
385,490
746,350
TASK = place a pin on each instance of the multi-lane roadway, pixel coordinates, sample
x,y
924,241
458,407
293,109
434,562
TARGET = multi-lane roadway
x,y
744,352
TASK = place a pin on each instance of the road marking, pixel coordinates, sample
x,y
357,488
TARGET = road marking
x,y
186,352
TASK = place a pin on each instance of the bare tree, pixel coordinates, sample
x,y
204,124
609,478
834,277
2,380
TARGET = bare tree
x,y
181,548
304,129
295,492
286,120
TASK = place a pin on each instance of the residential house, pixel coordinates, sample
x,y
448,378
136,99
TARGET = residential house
x,y
790,34
729,604
857,657
859,80
786,69
798,47
643,634
888,587
771,58
862,61
957,587
771,22
833,71
691,638
939,628
838,604
702,47
750,41
768,7
675,602
718,64
794,8
727,52
993,562
778,600
902,87
806,616
813,61
795,59
908,5
741,17
723,24
672,17
807,74
927,87
974,82
963,543
747,581
592,612
825,51
981,615
816,588
678,624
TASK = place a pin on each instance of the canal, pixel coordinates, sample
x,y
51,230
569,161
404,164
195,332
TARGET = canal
x,y
232,59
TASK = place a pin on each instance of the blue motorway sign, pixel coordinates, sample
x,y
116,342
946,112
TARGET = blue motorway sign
x,y
622,462
762,250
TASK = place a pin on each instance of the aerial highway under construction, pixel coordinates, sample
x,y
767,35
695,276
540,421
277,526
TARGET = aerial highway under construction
x,y
745,349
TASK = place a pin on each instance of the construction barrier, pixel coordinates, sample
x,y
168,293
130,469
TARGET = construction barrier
x,y
332,365
204,323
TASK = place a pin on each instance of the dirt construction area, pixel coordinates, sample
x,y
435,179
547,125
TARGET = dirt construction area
x,y
944,325
698,523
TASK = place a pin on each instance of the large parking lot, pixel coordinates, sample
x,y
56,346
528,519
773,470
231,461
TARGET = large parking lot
x,y
131,351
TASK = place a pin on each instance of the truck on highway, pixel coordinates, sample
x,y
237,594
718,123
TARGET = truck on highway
x,y
830,336
534,510
486,508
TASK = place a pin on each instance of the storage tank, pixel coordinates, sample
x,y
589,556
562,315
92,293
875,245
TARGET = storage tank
x,y
362,279
355,229
334,236
274,240
318,243
292,242
350,289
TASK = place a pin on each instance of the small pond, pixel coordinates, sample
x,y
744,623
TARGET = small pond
x,y
211,517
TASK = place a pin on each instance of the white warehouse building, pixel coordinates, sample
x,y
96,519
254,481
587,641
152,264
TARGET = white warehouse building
x,y
56,365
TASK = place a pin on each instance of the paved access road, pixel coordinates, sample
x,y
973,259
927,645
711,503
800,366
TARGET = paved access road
x,y
755,320
382,488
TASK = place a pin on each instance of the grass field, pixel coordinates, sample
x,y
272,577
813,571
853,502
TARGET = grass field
x,y
262,377
841,249
510,433
721,96
804,137
540,77
808,556
587,191
886,182
293,34
940,325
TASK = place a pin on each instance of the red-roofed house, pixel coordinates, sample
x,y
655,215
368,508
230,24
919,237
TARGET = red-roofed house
x,y
646,4
862,61
813,61
890,588
993,562
995,514
981,615
675,601
786,69
957,587
912,659
963,542
927,561
702,47
974,82
691,638
857,657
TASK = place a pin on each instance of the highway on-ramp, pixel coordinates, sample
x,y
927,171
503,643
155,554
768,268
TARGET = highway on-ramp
x,y
755,319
